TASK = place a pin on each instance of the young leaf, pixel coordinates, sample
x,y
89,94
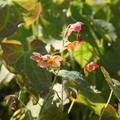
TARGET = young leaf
x,y
84,53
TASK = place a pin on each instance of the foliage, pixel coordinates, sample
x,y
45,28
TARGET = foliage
x,y
54,84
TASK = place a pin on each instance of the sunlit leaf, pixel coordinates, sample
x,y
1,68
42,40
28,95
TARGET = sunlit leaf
x,y
5,76
106,28
34,109
84,53
13,13
85,94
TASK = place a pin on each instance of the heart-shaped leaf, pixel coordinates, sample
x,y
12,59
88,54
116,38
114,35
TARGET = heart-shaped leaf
x,y
15,12
17,60
84,53
51,112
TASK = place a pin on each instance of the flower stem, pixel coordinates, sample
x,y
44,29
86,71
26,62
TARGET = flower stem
x,y
110,95
72,60
73,101
51,90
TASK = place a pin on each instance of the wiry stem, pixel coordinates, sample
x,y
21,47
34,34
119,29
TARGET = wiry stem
x,y
73,101
111,92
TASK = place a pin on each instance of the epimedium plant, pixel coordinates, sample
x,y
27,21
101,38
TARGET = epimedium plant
x,y
59,81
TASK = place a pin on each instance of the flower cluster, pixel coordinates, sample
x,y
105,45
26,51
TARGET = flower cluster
x,y
54,61
46,60
76,27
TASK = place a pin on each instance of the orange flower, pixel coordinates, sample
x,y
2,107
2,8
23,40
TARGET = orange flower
x,y
54,61
91,66
71,45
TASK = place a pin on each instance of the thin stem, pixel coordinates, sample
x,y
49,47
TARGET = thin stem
x,y
63,42
73,101
51,89
95,44
72,60
62,91
94,79
110,96
35,28
30,116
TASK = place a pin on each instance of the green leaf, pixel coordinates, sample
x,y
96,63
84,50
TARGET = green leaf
x,y
114,84
36,79
85,94
84,53
13,13
106,28
51,112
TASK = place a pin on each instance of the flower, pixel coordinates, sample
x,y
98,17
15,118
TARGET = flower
x,y
36,56
71,45
74,27
43,62
47,60
91,66
53,61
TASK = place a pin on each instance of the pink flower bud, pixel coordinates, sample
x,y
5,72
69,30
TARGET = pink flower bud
x,y
79,38
91,66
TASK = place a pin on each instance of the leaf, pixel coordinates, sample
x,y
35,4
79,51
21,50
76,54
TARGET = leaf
x,y
22,114
106,28
84,53
34,109
13,13
114,84
85,94
60,95
51,112
5,76
36,79
32,15
9,22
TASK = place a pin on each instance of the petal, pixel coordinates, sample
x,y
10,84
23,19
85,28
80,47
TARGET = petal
x,y
56,64
74,27
35,56
91,66
58,58
43,64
